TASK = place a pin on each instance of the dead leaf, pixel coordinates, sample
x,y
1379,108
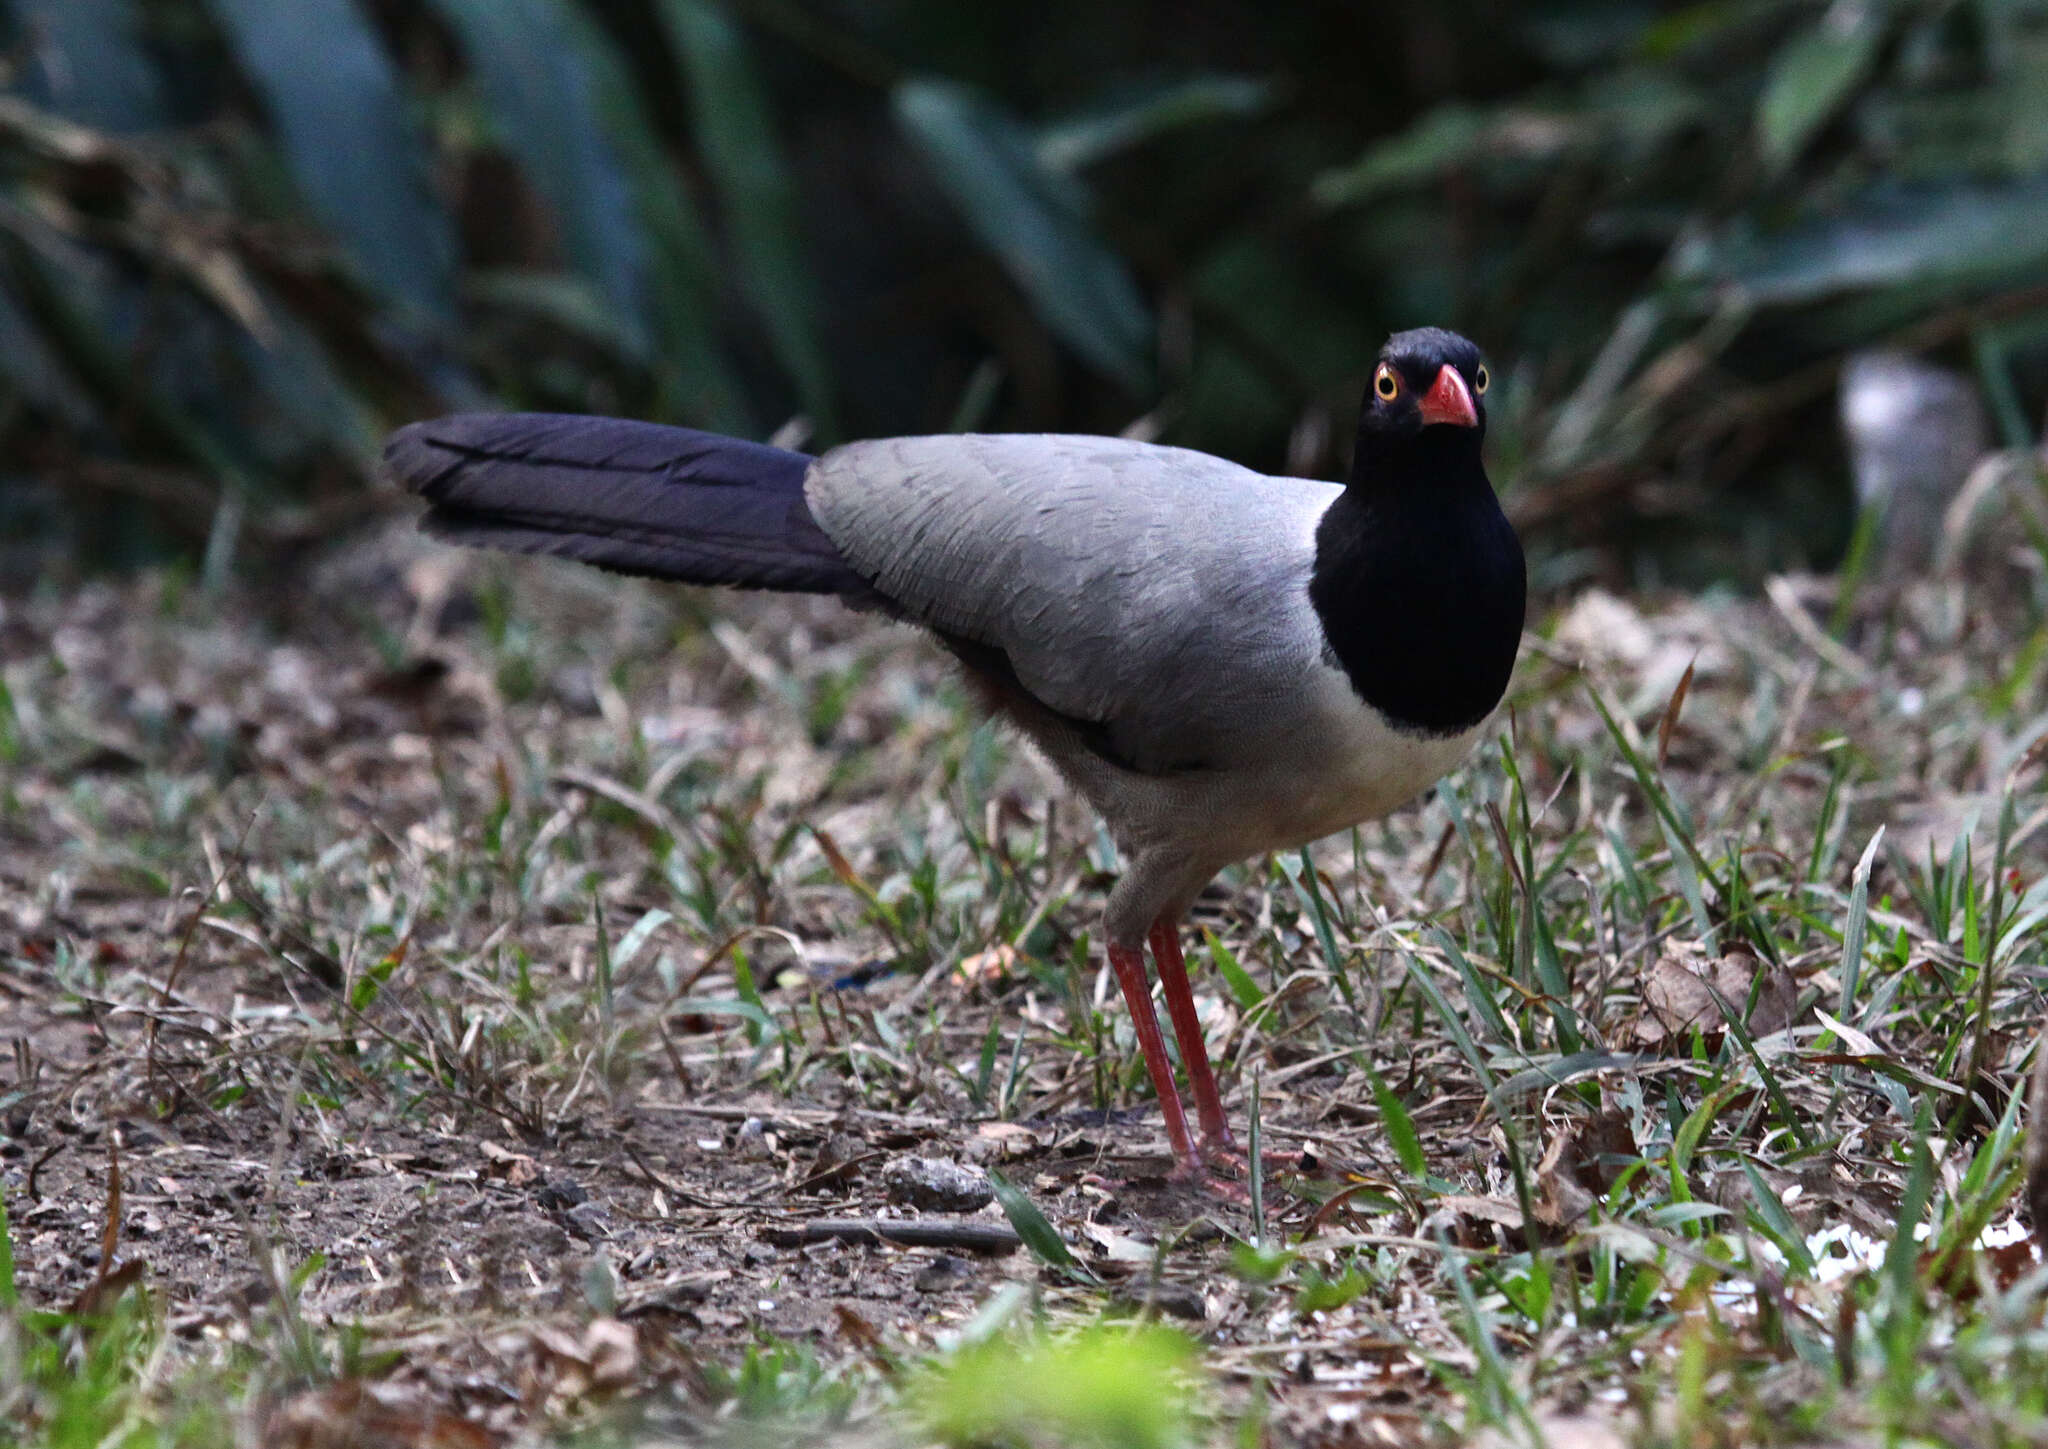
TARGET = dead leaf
x,y
838,1162
1670,721
993,965
514,1169
106,1287
1116,1247
606,1357
612,1349
862,1334
1679,995
1575,1170
674,1295
1562,1431
1468,1215
355,1415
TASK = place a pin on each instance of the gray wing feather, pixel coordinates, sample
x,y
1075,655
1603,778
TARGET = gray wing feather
x,y
1159,592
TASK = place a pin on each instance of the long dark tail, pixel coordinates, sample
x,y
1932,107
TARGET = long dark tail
x,y
636,498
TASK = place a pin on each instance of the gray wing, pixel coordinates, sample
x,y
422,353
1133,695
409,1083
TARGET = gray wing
x,y
1156,593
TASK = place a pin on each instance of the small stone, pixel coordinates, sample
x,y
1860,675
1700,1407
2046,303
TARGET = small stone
x,y
937,1185
942,1273
557,1194
1175,1300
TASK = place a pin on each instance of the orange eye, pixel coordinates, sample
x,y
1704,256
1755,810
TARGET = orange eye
x,y
1386,384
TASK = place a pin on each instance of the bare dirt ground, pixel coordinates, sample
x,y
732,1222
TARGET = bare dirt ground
x,y
483,979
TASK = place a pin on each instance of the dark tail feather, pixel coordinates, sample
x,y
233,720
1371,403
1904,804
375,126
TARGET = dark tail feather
x,y
636,498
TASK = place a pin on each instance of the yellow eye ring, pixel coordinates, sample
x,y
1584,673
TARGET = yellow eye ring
x,y
1385,385
1480,379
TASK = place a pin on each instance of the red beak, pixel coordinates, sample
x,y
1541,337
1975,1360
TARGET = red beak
x,y
1449,401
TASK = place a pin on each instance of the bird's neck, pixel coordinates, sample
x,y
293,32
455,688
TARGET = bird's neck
x,y
1420,585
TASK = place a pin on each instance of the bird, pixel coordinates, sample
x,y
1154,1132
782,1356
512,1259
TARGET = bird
x,y
1221,662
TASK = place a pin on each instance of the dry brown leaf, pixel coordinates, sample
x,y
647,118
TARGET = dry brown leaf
x,y
1572,1174
994,964
355,1415
605,1357
612,1349
862,1334
1563,1431
1679,992
106,1287
1671,712
1469,1215
514,1169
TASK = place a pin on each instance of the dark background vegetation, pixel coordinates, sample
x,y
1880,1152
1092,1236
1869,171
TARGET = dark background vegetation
x,y
240,239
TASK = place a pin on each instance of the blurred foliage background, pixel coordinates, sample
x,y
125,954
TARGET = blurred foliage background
x,y
240,239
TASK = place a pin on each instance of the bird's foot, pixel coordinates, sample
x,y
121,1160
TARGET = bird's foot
x,y
1218,1167
1196,1173
1221,1150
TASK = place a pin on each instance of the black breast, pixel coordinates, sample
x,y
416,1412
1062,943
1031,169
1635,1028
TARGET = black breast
x,y
1421,591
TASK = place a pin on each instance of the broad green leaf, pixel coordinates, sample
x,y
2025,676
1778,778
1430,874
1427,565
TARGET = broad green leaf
x,y
547,109
1448,136
1813,77
1038,1233
683,272
1400,1127
1104,130
37,373
1036,221
84,60
1890,237
635,940
341,120
1241,985
735,129
752,1012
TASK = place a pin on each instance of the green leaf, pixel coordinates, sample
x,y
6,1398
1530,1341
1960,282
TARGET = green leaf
x,y
1318,1294
1399,1125
753,1012
735,129
1813,77
86,62
1777,1222
1448,136
547,109
1854,927
37,372
1036,221
1242,987
1957,234
683,271
1104,130
1039,1235
341,119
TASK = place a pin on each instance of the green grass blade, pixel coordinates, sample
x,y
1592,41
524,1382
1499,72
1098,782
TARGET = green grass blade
x,y
1038,1233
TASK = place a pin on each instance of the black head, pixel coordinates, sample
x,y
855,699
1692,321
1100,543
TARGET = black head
x,y
1426,403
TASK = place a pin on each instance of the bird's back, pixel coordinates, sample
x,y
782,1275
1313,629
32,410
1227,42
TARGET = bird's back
x,y
1158,593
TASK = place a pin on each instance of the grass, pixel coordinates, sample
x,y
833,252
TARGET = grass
x,y
462,1028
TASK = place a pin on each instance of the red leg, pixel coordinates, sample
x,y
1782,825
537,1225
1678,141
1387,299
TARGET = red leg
x,y
1187,1029
1130,974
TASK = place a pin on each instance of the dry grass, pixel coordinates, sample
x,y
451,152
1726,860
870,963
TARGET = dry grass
x,y
455,984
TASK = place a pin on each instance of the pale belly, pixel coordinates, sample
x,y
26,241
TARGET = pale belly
x,y
1337,764
1371,773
